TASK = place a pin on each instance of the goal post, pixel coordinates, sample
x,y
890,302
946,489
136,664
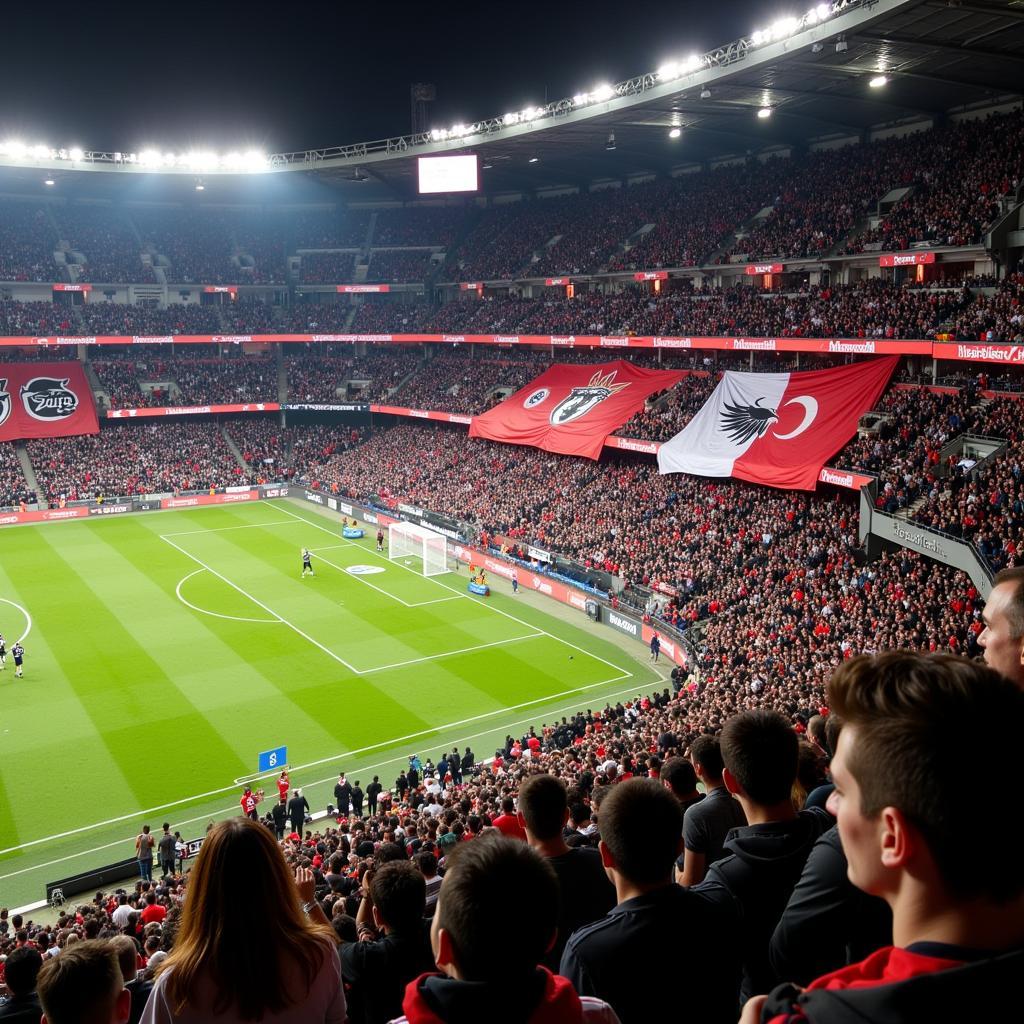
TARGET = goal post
x,y
409,540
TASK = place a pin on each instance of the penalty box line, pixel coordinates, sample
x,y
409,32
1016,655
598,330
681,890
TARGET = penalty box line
x,y
499,611
337,657
311,764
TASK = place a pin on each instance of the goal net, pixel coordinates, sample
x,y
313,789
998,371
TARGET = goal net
x,y
409,541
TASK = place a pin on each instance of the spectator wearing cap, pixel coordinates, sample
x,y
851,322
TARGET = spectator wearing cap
x,y
627,957
706,824
585,892
766,856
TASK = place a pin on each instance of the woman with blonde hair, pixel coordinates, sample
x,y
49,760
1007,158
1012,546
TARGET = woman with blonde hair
x,y
253,944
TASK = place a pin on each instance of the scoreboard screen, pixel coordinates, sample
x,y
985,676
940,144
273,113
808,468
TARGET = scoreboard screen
x,y
448,174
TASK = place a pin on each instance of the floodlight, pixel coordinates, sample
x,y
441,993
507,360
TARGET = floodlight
x,y
76,153
200,187
878,81
580,98
764,112
823,11
671,69
693,62
785,27
41,152
49,181
511,118
603,92
675,133
533,159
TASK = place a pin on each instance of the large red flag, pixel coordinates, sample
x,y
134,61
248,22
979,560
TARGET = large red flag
x,y
45,400
573,409
777,429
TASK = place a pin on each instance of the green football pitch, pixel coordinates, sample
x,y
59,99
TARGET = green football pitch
x,y
164,651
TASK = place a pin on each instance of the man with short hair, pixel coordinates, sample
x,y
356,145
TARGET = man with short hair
x,y
586,894
122,911
372,793
766,856
632,957
393,946
153,911
166,850
904,804
427,863
706,824
680,779
20,973
128,959
84,985
508,822
343,795
298,808
1002,640
480,979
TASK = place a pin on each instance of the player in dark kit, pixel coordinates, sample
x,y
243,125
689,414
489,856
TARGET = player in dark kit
x,y
19,653
3,653
307,565
380,540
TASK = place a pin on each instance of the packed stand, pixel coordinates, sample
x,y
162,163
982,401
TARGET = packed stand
x,y
420,225
454,382
32,318
264,446
391,318
13,489
250,316
318,378
131,459
263,239
331,229
196,243
116,318
398,266
27,244
327,267
111,250
997,317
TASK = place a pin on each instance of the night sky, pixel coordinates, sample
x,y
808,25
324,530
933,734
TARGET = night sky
x,y
286,76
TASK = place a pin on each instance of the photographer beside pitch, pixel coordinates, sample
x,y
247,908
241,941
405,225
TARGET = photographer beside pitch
x,y
912,819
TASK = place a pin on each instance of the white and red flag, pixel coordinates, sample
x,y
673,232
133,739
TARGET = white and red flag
x,y
777,429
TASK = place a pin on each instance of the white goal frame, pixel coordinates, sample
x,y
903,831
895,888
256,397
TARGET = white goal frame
x,y
428,545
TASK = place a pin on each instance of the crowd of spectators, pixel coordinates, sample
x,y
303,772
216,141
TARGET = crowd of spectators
x,y
109,246
13,489
331,229
327,267
118,318
197,244
130,459
340,375
399,265
423,225
27,243
388,317
31,318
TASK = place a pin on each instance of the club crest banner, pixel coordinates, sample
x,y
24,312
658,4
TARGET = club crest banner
x,y
45,400
777,429
572,409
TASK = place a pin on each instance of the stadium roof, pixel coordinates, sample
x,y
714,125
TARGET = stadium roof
x,y
812,73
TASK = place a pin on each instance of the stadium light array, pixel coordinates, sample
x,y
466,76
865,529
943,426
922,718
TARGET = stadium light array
x,y
878,81
250,161
764,112
675,133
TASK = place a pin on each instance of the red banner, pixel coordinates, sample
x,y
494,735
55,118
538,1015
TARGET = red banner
x,y
763,268
45,400
191,500
221,289
72,287
471,286
43,515
551,281
359,289
651,275
190,410
573,409
905,259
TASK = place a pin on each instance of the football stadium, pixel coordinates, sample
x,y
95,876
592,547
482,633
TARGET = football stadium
x,y
556,556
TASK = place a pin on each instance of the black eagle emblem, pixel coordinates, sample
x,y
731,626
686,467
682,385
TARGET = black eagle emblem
x,y
742,422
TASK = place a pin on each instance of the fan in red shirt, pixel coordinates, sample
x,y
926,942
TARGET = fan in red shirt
x,y
508,821
153,911
283,785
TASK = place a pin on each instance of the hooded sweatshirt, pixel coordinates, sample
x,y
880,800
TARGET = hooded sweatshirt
x,y
541,998
761,867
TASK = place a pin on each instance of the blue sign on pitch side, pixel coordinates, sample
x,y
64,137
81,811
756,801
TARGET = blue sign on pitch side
x,y
271,759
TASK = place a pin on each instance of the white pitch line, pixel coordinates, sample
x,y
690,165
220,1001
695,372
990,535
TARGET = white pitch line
x,y
206,611
224,529
266,608
311,764
24,611
355,576
499,611
450,654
